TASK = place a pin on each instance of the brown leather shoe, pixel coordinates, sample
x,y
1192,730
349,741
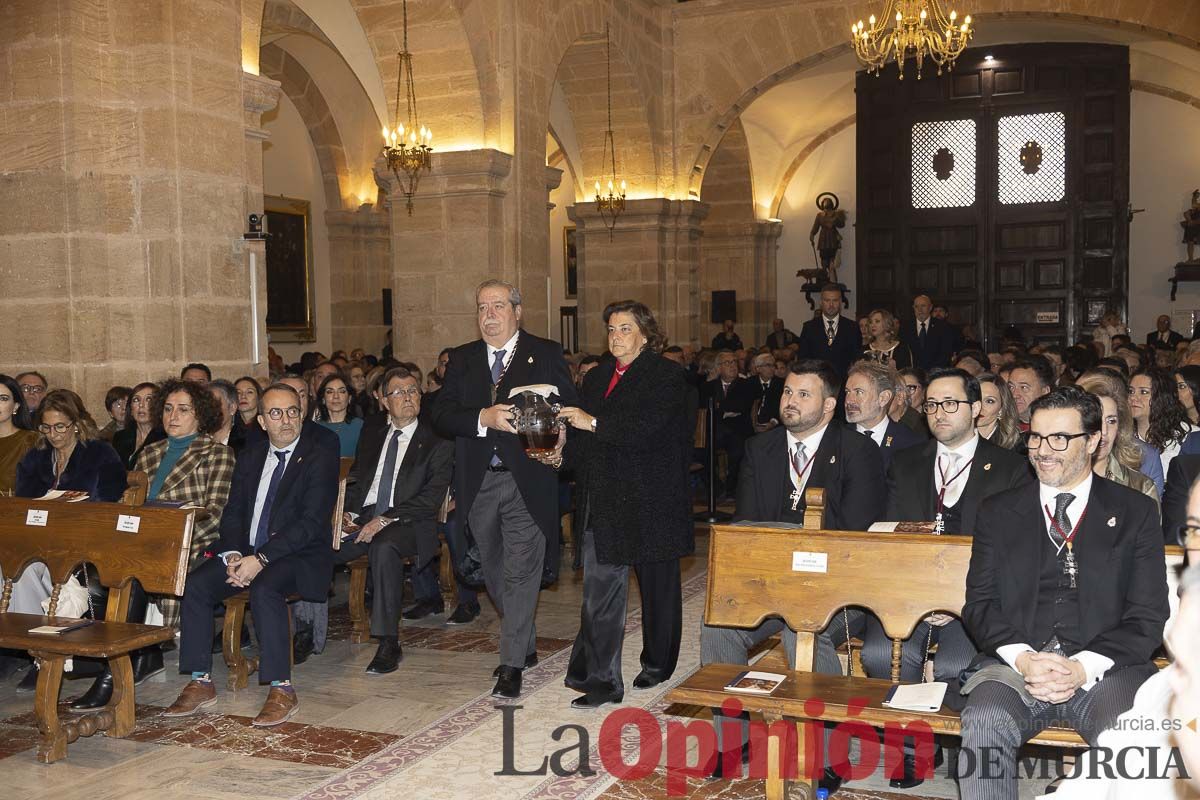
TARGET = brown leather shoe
x,y
279,708
195,696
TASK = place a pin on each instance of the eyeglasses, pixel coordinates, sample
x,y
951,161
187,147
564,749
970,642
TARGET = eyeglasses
x,y
412,391
29,388
58,427
293,412
1057,441
949,406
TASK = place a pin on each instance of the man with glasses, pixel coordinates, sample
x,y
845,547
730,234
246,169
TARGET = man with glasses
x,y
1066,598
396,487
768,389
943,481
275,541
33,387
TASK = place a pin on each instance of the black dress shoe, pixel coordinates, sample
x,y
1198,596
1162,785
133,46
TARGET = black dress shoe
x,y
830,781
530,661
464,613
97,696
146,664
387,657
910,779
593,701
302,646
645,680
425,608
508,685
718,773
28,683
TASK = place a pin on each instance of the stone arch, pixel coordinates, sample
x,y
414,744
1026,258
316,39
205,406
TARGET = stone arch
x,y
560,156
734,74
797,162
277,64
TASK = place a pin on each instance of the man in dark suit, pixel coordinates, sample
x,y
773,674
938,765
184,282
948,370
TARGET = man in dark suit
x,y
1181,475
275,539
807,449
726,339
1066,598
943,480
397,485
931,340
768,390
831,337
870,389
1162,337
732,397
509,501
780,337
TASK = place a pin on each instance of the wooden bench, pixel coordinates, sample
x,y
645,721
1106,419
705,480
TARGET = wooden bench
x,y
902,578
156,554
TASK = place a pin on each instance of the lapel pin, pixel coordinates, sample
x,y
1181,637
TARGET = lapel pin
x,y
531,359
1112,522
887,442
833,459
987,466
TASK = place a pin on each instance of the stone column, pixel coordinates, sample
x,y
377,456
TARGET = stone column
x,y
653,255
259,95
359,269
741,256
452,242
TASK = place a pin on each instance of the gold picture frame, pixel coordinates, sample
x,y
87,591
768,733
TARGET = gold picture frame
x,y
570,264
290,295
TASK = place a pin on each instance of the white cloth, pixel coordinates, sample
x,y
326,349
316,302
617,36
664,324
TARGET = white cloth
x,y
950,461
811,443
406,435
509,348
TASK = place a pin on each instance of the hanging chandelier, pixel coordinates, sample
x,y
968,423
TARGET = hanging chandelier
x,y
407,149
916,28
612,204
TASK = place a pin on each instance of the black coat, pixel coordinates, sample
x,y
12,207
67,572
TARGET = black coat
x,y
768,399
896,437
632,473
125,443
466,391
94,467
1122,573
847,343
912,493
1181,475
300,528
420,487
847,465
736,400
1173,339
941,341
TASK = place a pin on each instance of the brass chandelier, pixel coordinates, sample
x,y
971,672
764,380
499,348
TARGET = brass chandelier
x,y
407,149
916,28
612,204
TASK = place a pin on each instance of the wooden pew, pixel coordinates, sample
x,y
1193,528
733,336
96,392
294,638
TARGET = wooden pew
x,y
902,578
156,554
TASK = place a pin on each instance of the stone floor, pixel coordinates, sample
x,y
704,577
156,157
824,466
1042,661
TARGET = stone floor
x,y
346,719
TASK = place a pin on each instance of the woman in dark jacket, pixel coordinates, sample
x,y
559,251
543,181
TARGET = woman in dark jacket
x,y
140,428
70,455
630,457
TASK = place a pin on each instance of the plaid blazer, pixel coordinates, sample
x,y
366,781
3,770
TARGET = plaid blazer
x,y
202,476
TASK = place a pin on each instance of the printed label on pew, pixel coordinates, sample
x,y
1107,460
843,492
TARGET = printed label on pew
x,y
36,517
809,562
128,523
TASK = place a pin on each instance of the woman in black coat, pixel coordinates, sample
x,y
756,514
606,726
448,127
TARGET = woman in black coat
x,y
630,454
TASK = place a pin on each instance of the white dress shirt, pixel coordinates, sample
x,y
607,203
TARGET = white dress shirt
x,y
509,348
406,436
944,464
825,325
264,483
1094,664
811,443
877,431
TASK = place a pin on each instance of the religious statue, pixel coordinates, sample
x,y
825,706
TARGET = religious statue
x,y
1191,228
824,236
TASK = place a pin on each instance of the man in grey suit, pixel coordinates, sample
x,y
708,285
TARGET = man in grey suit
x,y
509,501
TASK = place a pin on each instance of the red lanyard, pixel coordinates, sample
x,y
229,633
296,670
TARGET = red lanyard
x,y
1054,523
800,473
946,483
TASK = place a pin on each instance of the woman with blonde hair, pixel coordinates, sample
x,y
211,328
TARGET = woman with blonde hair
x,y
1118,457
883,343
998,421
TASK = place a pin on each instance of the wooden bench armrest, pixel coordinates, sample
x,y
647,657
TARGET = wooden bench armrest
x,y
98,640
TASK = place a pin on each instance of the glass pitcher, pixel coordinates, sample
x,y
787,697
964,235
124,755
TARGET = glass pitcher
x,y
537,424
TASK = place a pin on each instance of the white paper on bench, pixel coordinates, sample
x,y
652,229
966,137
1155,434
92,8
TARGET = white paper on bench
x,y
36,517
809,562
918,696
883,527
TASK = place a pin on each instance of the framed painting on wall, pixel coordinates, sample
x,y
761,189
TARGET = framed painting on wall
x,y
290,309
570,264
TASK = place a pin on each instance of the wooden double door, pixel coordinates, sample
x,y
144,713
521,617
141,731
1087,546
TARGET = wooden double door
x,y
1000,189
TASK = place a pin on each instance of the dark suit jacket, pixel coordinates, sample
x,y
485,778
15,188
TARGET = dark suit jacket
x,y
941,341
466,391
912,493
896,437
847,465
300,526
1122,573
632,473
94,467
847,344
125,443
1181,475
421,482
1173,339
737,400
777,340
768,408
723,342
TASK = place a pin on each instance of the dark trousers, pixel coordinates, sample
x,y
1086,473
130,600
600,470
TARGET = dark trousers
x,y
206,589
733,442
596,655
954,654
426,584
387,552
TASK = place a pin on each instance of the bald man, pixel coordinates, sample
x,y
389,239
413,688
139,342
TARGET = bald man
x,y
931,340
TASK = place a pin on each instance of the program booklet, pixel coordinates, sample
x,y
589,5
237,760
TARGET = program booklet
x,y
70,495
916,696
755,682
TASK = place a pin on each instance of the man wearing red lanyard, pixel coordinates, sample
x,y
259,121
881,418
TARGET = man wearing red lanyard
x,y
1066,598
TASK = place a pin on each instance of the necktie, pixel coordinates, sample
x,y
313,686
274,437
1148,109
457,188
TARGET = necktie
x,y
1060,516
951,491
798,461
830,330
922,335
264,517
383,499
497,372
